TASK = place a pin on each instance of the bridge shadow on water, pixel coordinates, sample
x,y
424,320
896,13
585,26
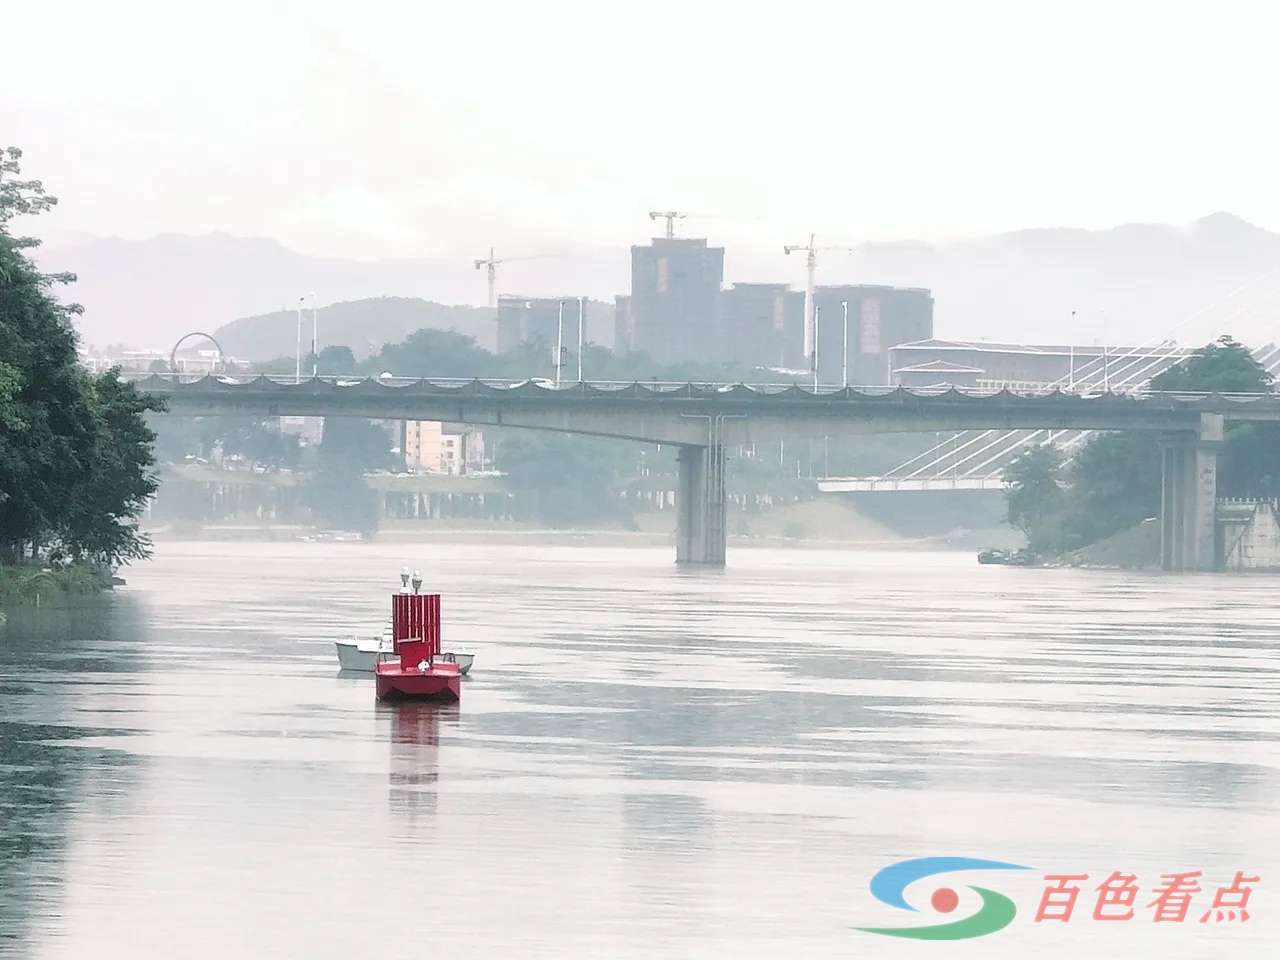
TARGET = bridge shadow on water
x,y
55,665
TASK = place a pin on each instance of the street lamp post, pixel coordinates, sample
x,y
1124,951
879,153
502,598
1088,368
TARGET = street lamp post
x,y
315,337
297,367
816,312
844,379
559,343
1071,375
1106,357
582,322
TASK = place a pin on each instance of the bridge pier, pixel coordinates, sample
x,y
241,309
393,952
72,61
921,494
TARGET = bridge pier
x,y
1189,496
700,505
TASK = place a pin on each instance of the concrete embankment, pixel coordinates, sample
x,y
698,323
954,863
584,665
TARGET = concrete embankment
x,y
1137,548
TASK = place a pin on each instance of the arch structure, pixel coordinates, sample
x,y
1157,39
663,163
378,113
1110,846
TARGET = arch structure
x,y
173,354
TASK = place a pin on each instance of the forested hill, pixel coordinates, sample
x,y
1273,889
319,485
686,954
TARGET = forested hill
x,y
366,325
363,325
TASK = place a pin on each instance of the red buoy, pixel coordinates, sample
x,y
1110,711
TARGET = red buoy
x,y
417,672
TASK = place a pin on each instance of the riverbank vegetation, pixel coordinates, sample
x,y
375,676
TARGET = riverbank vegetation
x,y
75,450
1113,482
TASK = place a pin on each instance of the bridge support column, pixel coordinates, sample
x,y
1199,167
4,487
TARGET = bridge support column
x,y
700,508
1189,497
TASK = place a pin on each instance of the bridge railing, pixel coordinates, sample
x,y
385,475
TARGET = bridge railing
x,y
764,389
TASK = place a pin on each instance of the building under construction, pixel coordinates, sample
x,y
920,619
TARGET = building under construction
x,y
678,312
675,287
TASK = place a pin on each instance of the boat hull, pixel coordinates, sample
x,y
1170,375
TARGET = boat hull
x,y
434,683
353,659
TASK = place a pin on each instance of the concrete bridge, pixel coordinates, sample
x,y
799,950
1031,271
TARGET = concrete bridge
x,y
705,419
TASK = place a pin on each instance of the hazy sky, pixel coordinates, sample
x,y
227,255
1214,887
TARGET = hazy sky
x,y
404,129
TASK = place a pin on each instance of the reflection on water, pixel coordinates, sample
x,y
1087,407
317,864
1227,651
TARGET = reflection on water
x,y
647,762
415,768
49,660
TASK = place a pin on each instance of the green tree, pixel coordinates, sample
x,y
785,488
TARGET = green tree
x,y
1224,366
567,481
338,493
435,353
1035,495
75,451
99,521
336,359
1115,483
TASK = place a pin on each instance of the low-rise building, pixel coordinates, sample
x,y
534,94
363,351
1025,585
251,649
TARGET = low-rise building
x,y
434,447
1017,366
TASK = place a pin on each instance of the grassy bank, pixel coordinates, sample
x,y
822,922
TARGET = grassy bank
x,y
40,585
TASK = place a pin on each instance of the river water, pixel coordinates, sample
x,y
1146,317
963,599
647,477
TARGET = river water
x,y
646,763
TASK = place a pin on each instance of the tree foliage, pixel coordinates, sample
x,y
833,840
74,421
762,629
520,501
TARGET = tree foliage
x,y
338,493
1224,366
1035,488
567,481
75,450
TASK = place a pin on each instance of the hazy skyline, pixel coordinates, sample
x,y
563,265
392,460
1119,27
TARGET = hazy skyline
x,y
442,130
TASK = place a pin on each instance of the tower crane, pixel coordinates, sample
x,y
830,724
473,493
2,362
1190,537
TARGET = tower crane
x,y
492,263
671,216
811,264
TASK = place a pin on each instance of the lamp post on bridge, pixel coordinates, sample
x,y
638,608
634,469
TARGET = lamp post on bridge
x,y
1071,370
297,367
816,313
1106,358
559,343
844,379
315,337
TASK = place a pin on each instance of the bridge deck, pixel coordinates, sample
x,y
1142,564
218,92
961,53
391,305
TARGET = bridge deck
x,y
688,413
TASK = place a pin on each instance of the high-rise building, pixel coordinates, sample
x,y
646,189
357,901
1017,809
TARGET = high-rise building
x,y
752,325
537,320
675,284
878,318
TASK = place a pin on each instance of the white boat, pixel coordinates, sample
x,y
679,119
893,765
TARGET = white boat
x,y
360,654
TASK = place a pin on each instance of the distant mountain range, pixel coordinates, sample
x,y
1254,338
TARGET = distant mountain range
x,y
1019,286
